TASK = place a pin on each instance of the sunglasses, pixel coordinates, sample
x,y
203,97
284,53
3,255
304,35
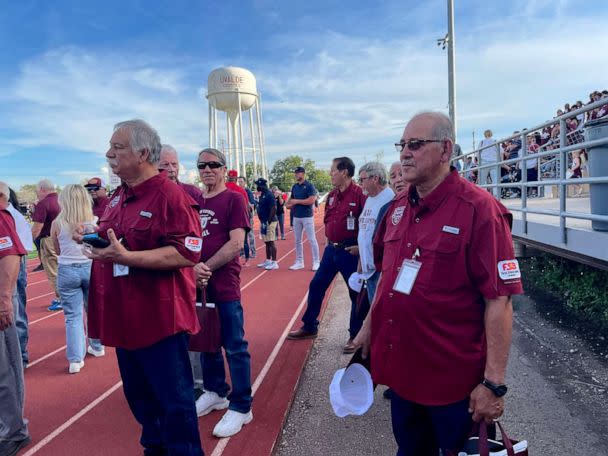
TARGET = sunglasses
x,y
211,165
414,143
92,188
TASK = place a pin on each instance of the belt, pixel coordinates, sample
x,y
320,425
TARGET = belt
x,y
343,244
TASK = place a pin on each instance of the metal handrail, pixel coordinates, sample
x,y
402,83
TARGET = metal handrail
x,y
566,142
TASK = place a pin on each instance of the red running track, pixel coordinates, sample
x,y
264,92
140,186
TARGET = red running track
x,y
86,413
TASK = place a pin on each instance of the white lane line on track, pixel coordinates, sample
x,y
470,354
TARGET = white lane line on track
x,y
48,355
41,296
221,445
36,283
45,441
44,318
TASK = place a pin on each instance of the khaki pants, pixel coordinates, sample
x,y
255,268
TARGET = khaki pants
x,y
48,258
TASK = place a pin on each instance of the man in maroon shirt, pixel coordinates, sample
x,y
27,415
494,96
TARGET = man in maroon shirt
x,y
46,211
440,325
13,428
344,205
98,193
169,162
225,222
142,294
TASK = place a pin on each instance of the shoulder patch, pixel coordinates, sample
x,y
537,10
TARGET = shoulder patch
x,y
6,242
509,269
194,244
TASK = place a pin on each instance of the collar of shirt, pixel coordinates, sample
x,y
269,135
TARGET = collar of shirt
x,y
436,197
144,187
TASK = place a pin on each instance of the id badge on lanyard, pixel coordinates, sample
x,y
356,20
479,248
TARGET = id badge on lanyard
x,y
350,222
407,274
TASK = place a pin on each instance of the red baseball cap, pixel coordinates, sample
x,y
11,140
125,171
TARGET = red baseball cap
x,y
233,173
95,182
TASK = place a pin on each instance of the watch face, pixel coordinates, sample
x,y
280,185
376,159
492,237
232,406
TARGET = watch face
x,y
500,390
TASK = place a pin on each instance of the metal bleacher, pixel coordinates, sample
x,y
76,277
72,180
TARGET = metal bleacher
x,y
552,213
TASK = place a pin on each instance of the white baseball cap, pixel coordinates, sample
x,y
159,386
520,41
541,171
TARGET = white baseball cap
x,y
355,281
351,391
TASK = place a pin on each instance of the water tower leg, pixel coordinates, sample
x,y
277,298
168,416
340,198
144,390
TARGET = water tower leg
x,y
255,166
242,149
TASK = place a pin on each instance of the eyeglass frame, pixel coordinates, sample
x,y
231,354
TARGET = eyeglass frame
x,y
417,142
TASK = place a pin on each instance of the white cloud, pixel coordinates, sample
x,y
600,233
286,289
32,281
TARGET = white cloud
x,y
328,94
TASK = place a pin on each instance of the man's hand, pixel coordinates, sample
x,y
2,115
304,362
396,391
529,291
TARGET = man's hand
x,y
364,338
483,404
353,250
115,252
6,315
202,273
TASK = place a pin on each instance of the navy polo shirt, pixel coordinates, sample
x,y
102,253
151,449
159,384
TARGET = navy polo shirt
x,y
302,191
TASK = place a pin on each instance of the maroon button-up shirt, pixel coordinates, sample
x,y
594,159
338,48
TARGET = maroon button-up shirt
x,y
45,212
9,240
99,206
429,346
339,206
191,190
147,305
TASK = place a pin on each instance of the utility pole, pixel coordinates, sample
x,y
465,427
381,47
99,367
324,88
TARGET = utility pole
x,y
450,41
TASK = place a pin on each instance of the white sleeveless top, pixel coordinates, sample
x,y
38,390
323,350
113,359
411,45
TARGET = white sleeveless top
x,y
71,251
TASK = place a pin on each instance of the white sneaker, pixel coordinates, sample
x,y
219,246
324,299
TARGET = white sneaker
x,y
296,266
231,423
272,265
264,264
210,401
75,367
315,266
96,353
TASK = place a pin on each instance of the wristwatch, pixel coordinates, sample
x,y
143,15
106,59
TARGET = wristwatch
x,y
498,390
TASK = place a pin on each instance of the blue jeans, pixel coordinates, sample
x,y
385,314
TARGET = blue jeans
x,y
334,260
281,226
157,382
19,303
422,430
73,286
239,360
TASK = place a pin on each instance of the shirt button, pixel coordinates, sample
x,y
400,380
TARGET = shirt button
x,y
390,322
417,220
390,346
390,295
409,244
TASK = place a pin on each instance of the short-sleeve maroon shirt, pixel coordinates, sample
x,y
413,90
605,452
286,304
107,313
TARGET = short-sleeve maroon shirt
x,y
219,215
429,346
147,305
45,212
99,206
9,240
340,206
191,190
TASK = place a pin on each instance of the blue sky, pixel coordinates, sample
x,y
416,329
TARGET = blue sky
x,y
336,77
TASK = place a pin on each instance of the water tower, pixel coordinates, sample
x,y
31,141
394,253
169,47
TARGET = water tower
x,y
233,90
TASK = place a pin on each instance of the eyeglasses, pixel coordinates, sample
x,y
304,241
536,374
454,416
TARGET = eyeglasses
x,y
415,143
363,179
211,165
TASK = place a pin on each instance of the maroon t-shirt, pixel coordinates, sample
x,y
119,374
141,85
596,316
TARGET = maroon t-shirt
x,y
219,215
99,206
192,190
146,305
429,346
340,206
9,240
45,212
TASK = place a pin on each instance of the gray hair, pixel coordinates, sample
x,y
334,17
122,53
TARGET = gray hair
x,y
220,155
168,148
442,125
45,184
142,137
375,169
4,189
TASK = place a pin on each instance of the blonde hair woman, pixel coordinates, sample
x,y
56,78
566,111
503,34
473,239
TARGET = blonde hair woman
x,y
74,273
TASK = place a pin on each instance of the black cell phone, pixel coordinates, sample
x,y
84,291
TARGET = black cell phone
x,y
94,240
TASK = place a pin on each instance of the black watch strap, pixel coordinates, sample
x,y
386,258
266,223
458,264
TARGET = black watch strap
x,y
498,390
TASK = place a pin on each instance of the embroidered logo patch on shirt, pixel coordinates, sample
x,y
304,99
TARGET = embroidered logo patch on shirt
x,y
194,244
114,201
451,229
397,215
6,243
508,270
146,214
